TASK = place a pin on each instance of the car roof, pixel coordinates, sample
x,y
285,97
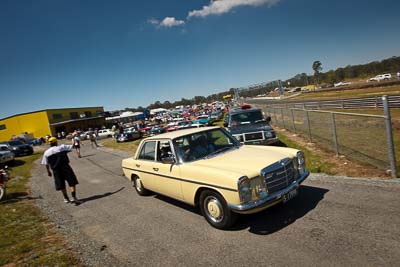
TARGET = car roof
x,y
178,133
240,110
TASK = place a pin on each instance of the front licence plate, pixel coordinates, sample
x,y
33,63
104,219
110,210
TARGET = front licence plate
x,y
289,195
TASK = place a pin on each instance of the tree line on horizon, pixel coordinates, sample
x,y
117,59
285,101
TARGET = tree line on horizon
x,y
324,79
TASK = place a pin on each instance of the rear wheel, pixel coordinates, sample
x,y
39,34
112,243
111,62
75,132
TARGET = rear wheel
x,y
137,184
215,210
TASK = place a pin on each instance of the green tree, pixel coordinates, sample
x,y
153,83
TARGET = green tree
x,y
317,67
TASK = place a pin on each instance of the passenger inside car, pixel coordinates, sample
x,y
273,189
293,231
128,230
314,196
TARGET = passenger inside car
x,y
164,151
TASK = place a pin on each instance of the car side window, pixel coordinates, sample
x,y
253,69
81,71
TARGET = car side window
x,y
164,150
148,151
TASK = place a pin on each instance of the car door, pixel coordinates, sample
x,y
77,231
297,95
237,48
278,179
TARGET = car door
x,y
144,164
167,176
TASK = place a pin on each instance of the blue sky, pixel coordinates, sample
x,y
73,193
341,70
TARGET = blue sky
x,y
117,54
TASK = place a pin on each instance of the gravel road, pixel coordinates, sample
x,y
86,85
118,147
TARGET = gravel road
x,y
334,221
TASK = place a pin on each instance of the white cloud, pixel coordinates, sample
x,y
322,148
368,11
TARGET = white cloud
x,y
153,21
167,22
218,7
171,22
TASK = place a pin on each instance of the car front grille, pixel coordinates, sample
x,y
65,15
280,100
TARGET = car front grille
x,y
279,175
254,136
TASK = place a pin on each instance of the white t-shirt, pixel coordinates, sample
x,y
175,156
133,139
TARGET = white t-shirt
x,y
54,150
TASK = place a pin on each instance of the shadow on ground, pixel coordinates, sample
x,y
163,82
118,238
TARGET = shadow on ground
x,y
95,197
273,219
282,215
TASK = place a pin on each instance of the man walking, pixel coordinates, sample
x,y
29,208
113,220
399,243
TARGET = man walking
x,y
92,138
57,159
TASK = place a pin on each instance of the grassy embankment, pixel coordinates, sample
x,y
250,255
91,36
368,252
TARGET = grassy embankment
x,y
349,93
27,238
375,135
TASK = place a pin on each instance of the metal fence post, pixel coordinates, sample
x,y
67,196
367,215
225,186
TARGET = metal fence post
x,y
294,125
388,121
308,125
283,119
276,118
335,134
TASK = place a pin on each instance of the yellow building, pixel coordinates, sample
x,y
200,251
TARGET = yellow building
x,y
51,121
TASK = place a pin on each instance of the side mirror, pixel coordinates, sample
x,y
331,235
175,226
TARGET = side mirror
x,y
168,160
268,119
225,124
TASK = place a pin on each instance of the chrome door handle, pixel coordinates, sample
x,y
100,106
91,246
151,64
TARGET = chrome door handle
x,y
138,165
156,169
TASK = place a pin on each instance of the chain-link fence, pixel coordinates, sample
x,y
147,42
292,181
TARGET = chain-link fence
x,y
364,137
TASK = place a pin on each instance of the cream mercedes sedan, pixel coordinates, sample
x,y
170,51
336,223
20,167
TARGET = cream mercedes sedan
x,y
209,168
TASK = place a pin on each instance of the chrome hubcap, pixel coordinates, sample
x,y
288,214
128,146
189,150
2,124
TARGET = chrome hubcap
x,y
213,209
138,184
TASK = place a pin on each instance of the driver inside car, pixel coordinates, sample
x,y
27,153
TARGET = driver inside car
x,y
203,147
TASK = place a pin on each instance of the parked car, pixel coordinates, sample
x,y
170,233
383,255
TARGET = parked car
x,y
209,168
293,90
341,84
249,126
6,156
84,135
35,142
380,77
203,119
156,130
216,115
146,129
19,148
104,133
128,136
177,125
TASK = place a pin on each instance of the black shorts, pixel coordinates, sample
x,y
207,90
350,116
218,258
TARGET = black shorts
x,y
77,146
62,175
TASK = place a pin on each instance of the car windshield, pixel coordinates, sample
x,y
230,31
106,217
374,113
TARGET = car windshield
x,y
15,143
204,144
246,117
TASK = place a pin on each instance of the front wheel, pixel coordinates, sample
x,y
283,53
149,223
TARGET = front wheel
x,y
2,192
137,184
215,210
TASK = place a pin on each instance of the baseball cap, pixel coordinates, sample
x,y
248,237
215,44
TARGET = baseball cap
x,y
52,140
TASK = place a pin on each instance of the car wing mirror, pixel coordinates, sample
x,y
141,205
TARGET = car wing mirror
x,y
268,119
225,124
168,160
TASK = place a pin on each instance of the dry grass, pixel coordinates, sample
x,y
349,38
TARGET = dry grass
x,y
27,238
350,93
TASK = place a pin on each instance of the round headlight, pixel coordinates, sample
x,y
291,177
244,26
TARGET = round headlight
x,y
244,189
301,161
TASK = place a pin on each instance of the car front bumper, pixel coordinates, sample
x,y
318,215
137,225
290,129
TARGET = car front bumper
x,y
267,141
269,200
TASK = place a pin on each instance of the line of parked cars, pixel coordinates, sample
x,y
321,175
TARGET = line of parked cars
x,y
13,148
